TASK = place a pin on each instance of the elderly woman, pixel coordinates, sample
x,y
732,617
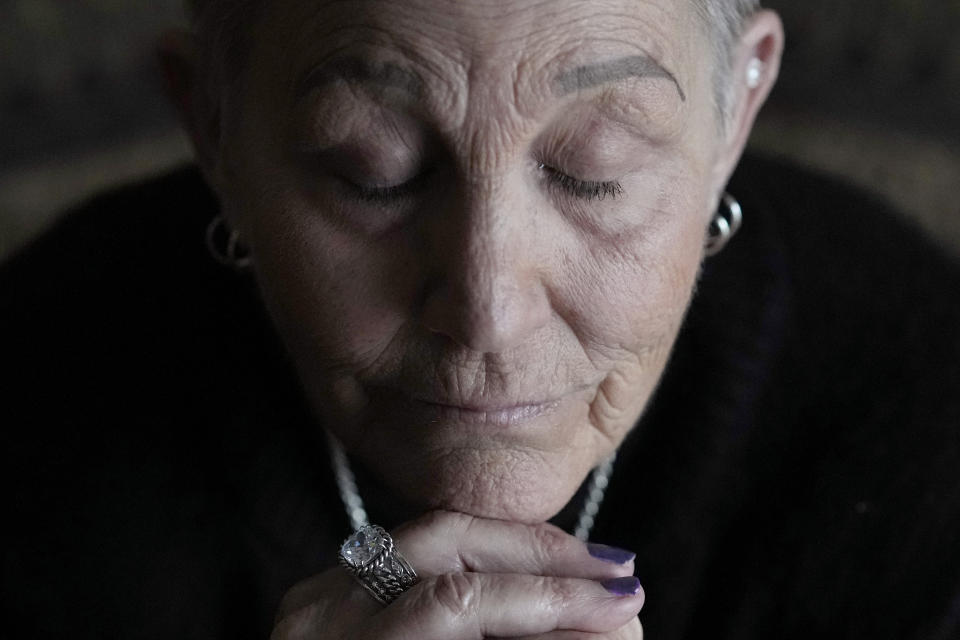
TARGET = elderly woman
x,y
472,289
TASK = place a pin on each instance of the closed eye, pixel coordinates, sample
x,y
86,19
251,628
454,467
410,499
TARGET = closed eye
x,y
583,189
389,194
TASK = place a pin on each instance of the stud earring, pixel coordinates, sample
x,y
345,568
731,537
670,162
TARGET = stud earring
x,y
754,73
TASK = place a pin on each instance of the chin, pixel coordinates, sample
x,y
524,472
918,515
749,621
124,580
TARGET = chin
x,y
521,466
500,483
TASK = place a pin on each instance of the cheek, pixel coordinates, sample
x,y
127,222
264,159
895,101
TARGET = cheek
x,y
630,291
335,299
626,302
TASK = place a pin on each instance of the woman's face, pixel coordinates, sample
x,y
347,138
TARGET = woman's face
x,y
477,226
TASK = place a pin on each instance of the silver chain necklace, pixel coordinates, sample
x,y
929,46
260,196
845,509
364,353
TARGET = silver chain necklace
x,y
357,513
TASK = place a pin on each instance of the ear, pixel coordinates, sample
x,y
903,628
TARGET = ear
x,y
187,89
760,47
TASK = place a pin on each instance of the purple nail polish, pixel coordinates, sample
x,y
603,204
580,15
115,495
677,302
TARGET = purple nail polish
x,y
629,586
610,554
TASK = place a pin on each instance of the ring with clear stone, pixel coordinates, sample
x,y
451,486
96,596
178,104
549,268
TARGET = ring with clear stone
x,y
371,557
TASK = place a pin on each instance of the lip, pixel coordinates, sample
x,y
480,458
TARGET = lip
x,y
492,414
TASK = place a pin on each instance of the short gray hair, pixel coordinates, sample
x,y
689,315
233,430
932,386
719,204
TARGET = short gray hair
x,y
222,24
725,21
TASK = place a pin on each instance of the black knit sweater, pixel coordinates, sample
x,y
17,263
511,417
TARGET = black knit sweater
x,y
797,474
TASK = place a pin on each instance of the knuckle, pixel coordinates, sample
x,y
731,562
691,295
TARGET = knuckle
x,y
549,542
296,598
457,594
557,595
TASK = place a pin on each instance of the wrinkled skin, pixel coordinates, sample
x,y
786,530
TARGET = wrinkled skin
x,y
473,323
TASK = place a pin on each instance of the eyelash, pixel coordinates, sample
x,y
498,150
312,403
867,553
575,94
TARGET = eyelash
x,y
583,189
388,195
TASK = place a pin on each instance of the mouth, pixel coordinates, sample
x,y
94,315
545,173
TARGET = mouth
x,y
502,415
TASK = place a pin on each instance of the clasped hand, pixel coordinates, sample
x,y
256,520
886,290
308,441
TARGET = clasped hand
x,y
479,579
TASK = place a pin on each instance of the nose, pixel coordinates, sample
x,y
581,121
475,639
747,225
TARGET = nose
x,y
487,292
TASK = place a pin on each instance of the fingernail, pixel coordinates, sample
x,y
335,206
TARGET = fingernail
x,y
629,586
610,554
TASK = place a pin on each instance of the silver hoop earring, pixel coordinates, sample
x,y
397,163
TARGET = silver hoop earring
x,y
225,247
724,225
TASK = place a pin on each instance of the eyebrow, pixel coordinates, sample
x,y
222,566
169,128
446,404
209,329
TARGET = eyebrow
x,y
592,75
359,70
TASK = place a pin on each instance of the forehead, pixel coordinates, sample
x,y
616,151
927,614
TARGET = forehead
x,y
499,45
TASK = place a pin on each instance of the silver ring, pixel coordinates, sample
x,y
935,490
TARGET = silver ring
x,y
370,557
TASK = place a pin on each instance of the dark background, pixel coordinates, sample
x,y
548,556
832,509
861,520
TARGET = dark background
x,y
870,90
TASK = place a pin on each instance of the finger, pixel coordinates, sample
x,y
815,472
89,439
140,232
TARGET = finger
x,y
335,586
472,606
633,630
447,542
